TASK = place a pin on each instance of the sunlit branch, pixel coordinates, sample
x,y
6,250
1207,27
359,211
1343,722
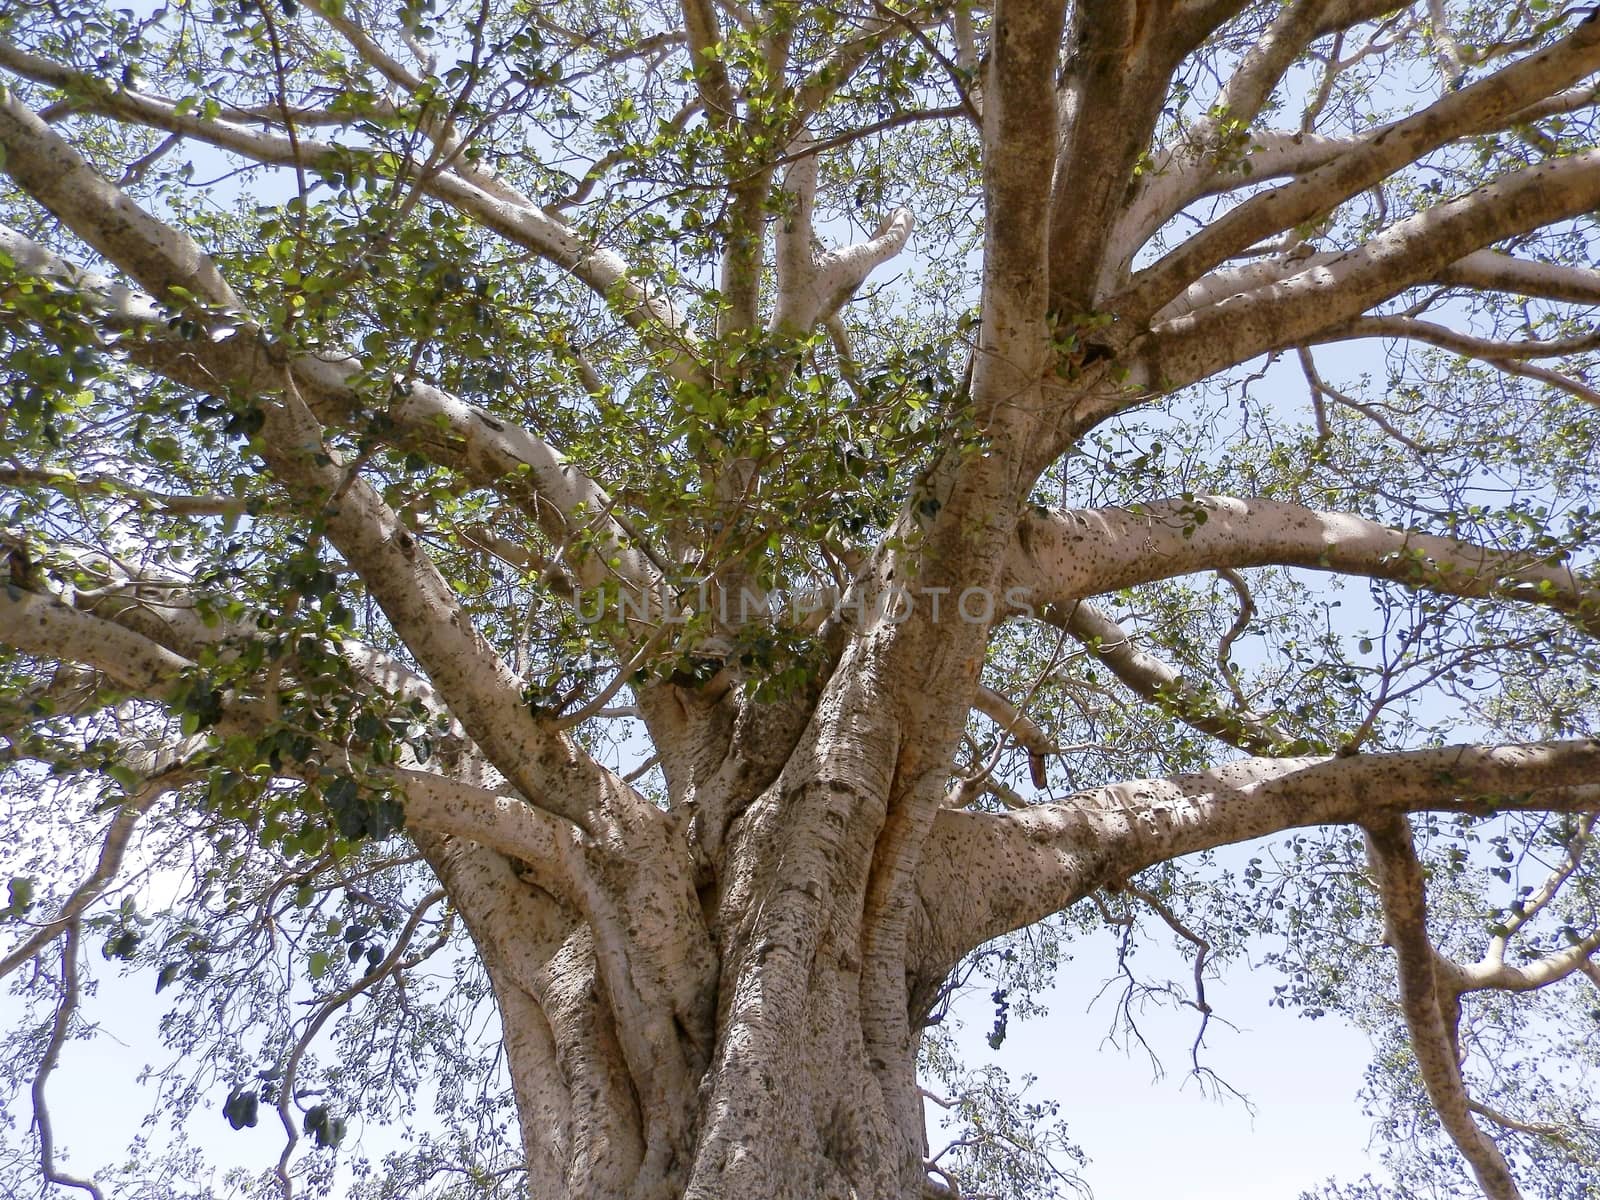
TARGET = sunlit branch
x,y
1063,556
166,611
1431,1013
813,284
47,628
1019,153
1480,106
1046,858
1015,723
373,54
1489,349
1490,270
44,627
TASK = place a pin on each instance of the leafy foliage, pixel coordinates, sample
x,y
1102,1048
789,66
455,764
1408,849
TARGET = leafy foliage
x,y
455,228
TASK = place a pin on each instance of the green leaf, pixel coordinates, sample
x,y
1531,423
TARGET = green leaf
x,y
19,891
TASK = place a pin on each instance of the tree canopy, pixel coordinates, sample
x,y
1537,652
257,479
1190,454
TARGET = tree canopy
x,y
576,570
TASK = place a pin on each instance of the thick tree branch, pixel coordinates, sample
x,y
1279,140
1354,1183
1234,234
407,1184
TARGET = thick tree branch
x,y
1483,105
1062,556
1490,270
539,946
1019,123
489,451
986,874
45,627
482,691
1431,1012
1411,251
1481,270
166,611
1122,57
1178,178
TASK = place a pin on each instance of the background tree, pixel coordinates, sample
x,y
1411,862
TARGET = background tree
x,y
398,394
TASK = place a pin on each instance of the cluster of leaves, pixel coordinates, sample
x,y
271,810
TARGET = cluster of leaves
x,y
998,1142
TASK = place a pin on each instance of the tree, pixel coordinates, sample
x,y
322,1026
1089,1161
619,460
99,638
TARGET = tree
x,y
469,518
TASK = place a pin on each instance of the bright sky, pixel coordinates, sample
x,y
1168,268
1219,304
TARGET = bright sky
x,y
1165,1139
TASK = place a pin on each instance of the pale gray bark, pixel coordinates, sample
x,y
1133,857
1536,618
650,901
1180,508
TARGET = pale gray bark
x,y
1432,1013
1065,556
1039,861
1482,105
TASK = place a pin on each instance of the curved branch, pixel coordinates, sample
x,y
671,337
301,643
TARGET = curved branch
x,y
113,847
1159,683
1014,722
1482,106
1120,59
1431,1012
506,824
1489,349
987,874
1505,355
1329,293
45,627
1061,556
98,483
52,1055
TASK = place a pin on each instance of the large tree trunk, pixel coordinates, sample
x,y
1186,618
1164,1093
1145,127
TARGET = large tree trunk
x,y
786,1065
802,1097
787,1086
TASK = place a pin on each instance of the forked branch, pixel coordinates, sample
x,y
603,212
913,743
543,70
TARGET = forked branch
x,y
1432,1012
